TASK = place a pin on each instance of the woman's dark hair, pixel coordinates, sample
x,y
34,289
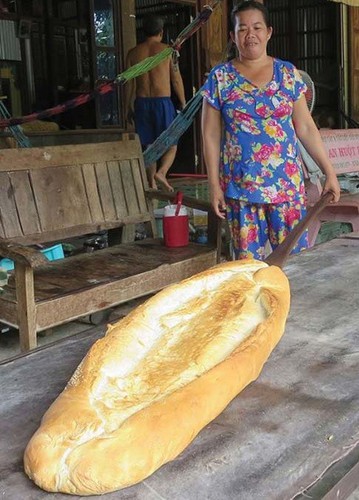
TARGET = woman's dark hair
x,y
152,25
250,5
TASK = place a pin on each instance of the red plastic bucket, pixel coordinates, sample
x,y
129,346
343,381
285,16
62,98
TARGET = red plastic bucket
x,y
176,231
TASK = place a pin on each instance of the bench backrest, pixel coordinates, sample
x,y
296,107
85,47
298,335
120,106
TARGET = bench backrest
x,y
54,193
342,146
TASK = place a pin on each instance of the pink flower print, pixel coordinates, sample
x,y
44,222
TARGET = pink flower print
x,y
273,195
291,169
272,88
239,115
246,123
284,184
263,154
236,94
292,215
250,186
262,110
274,130
287,79
249,218
267,172
252,234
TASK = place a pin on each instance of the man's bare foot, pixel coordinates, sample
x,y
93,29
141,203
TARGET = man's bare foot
x,y
153,184
162,179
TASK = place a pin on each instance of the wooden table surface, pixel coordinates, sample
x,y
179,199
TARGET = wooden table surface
x,y
292,433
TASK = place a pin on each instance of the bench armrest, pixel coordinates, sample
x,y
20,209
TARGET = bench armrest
x,y
188,201
23,255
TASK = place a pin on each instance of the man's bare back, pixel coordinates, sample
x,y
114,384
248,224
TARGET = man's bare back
x,y
157,82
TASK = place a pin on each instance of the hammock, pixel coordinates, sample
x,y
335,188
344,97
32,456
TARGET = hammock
x,y
16,131
170,136
130,73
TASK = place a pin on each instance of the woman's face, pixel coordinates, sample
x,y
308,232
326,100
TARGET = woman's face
x,y
251,34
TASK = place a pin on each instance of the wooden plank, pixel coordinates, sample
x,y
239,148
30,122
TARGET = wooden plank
x,y
149,202
71,277
130,191
70,307
115,263
345,487
60,197
93,198
10,225
9,314
128,233
70,232
105,191
43,289
139,187
69,154
25,202
117,188
26,307
88,270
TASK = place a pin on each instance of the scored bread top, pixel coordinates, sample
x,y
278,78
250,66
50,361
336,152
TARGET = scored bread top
x,y
164,345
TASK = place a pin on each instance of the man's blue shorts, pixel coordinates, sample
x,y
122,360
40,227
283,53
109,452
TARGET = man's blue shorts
x,y
152,116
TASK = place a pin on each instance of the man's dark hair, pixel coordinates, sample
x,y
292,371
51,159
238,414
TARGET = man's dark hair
x,y
152,25
250,5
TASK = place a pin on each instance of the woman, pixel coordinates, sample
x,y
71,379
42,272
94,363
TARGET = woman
x,y
254,168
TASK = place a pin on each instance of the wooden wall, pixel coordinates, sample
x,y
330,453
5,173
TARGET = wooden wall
x,y
213,37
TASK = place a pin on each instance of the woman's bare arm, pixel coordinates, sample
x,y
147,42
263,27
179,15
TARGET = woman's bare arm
x,y
309,135
211,135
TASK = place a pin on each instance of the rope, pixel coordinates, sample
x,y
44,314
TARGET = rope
x,y
72,103
195,25
16,131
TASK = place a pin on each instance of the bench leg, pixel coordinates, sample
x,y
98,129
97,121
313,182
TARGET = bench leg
x,y
313,230
24,277
355,224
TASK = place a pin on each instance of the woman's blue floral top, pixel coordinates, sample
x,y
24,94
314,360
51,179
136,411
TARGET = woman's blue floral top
x,y
260,159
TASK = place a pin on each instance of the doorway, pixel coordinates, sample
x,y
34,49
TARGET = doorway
x,y
177,16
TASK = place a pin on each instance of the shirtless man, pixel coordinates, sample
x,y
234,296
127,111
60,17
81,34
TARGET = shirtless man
x,y
148,97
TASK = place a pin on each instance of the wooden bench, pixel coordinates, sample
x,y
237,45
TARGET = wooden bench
x,y
52,194
342,147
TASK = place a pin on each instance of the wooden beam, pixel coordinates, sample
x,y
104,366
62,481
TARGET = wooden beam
x,y
24,277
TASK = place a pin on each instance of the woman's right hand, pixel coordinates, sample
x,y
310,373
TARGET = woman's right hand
x,y
217,201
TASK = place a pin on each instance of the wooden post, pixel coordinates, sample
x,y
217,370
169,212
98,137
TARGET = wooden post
x,y
24,277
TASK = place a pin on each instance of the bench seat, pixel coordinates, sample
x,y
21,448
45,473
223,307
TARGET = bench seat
x,y
53,194
82,284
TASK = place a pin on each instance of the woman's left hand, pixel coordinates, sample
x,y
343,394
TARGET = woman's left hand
x,y
332,184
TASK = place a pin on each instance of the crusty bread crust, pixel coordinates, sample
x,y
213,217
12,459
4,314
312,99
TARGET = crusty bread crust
x,y
180,357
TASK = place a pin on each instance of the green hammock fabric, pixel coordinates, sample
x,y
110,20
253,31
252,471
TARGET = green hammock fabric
x,y
170,136
144,66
